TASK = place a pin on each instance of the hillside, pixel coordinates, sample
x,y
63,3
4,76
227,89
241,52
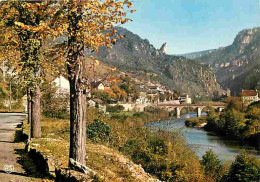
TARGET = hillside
x,y
196,55
237,66
132,53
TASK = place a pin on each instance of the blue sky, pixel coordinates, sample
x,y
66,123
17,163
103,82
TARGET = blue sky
x,y
193,25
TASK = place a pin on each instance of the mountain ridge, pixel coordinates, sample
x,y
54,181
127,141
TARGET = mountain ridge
x,y
132,53
237,65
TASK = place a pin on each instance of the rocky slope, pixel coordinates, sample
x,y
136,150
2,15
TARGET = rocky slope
x,y
196,55
237,66
133,53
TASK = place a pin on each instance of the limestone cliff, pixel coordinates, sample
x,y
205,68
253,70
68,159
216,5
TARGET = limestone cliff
x,y
237,66
133,53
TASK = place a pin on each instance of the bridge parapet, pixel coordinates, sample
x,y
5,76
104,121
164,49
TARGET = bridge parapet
x,y
198,107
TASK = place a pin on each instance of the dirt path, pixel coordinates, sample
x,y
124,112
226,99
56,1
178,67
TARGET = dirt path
x,y
8,156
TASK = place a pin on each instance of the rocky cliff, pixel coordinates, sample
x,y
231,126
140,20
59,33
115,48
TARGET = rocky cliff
x,y
237,66
196,55
132,53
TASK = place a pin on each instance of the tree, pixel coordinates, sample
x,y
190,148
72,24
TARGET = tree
x,y
211,164
87,26
25,25
245,168
15,15
90,25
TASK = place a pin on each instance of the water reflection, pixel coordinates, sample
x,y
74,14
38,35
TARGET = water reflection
x,y
200,141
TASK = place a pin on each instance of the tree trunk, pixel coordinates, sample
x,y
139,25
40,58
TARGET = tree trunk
x,y
77,123
77,96
36,113
29,106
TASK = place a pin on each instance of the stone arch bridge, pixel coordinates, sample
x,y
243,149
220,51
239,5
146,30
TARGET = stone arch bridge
x,y
197,107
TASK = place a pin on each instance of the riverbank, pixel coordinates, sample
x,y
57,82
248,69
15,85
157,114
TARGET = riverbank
x,y
162,154
201,140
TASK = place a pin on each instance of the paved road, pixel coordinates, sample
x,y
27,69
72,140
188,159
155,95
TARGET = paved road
x,y
8,123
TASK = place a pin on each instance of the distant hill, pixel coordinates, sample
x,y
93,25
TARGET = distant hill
x,y
132,53
196,55
237,66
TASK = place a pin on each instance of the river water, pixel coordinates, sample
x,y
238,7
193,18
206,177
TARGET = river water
x,y
200,140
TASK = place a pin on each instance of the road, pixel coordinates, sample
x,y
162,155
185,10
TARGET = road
x,y
8,156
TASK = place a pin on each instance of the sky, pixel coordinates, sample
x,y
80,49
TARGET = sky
x,y
193,25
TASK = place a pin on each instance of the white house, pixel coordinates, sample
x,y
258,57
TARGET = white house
x,y
63,84
142,98
185,99
101,86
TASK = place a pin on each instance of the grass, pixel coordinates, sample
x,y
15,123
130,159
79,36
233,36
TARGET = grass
x,y
101,158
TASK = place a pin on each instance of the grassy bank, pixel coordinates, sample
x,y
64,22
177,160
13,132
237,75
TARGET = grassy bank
x,y
164,155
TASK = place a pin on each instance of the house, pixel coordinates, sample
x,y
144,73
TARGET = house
x,y
249,96
101,86
96,103
142,98
184,98
63,85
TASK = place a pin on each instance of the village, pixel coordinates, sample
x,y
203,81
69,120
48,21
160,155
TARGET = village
x,y
125,90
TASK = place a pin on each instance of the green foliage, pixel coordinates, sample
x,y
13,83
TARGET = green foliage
x,y
102,95
115,109
195,122
119,117
3,95
158,153
211,164
233,122
157,146
245,168
98,131
152,110
125,87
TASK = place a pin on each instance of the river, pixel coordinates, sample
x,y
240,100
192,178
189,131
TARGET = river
x,y
200,140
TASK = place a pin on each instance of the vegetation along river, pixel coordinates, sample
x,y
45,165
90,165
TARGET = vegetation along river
x,y
200,140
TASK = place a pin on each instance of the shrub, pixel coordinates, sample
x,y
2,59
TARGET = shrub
x,y
115,109
157,146
195,122
98,131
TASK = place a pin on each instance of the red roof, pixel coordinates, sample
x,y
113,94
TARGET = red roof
x,y
249,93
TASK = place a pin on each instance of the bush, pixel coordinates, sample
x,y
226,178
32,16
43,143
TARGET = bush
x,y
115,109
157,146
98,131
195,122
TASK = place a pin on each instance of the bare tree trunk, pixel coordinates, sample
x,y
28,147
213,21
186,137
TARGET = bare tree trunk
x,y
77,96
29,106
36,113
77,123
